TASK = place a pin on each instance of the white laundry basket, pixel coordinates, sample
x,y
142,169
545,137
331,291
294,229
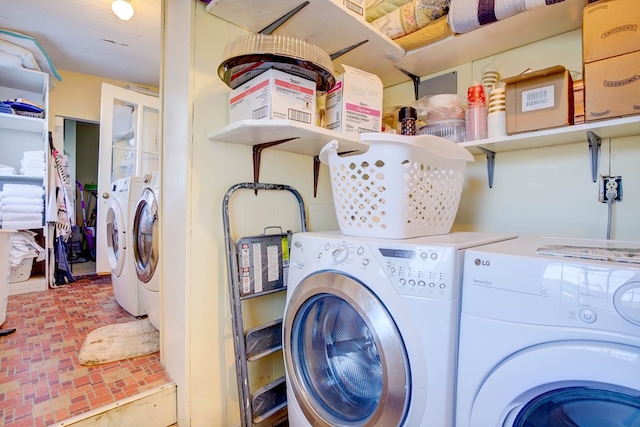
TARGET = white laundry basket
x,y
6,238
401,187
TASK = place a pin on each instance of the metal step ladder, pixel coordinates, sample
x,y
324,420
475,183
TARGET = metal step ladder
x,y
257,266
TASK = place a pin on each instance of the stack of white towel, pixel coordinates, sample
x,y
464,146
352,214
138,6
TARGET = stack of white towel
x,y
21,206
33,163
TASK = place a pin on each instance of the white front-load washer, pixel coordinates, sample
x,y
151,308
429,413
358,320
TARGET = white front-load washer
x,y
370,329
146,239
549,340
122,201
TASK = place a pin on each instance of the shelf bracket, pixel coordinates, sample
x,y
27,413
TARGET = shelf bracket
x,y
341,52
415,79
275,24
491,164
257,155
316,174
595,142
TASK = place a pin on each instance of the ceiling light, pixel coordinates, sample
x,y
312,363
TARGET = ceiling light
x,y
122,9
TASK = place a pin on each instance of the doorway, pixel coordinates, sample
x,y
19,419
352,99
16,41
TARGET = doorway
x,y
82,146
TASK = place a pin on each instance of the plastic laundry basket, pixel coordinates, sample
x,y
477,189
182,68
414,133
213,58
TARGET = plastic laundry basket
x,y
6,238
401,187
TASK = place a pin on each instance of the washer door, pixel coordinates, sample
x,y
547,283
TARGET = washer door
x,y
145,236
345,360
575,383
116,238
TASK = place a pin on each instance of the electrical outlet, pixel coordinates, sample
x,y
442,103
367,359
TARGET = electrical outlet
x,y
610,189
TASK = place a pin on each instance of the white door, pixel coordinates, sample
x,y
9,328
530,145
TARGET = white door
x,y
129,146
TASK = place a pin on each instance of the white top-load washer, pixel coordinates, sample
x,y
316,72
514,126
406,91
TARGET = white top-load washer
x,y
370,329
146,240
550,340
122,203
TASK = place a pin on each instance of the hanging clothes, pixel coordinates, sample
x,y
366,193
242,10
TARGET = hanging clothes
x,y
59,216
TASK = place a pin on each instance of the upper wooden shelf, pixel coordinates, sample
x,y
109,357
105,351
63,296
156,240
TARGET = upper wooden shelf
x,y
325,23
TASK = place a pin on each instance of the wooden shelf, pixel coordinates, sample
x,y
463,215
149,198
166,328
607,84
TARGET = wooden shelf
x,y
308,139
614,128
326,24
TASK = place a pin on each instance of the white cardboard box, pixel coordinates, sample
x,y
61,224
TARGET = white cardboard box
x,y
274,94
355,7
354,104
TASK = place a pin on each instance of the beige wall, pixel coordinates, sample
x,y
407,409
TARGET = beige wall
x,y
77,96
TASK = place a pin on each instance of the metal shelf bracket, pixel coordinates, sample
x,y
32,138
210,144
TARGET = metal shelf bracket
x,y
275,24
595,142
416,82
257,155
491,164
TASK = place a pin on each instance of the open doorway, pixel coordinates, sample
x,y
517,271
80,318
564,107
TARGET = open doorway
x,y
82,146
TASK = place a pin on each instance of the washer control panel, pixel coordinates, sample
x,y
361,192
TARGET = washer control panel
x,y
427,271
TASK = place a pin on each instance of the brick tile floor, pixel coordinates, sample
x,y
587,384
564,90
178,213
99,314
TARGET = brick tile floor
x,y
41,380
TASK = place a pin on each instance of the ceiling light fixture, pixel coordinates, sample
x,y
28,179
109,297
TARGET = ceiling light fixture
x,y
123,9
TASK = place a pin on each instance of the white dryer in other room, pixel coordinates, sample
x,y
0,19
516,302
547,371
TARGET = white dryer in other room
x,y
124,195
146,237
549,340
370,329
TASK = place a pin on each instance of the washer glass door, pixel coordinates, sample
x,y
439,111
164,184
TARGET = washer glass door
x,y
581,406
145,235
116,238
346,359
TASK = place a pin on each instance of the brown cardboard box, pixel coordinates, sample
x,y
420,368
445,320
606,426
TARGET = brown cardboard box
x,y
612,87
610,28
539,100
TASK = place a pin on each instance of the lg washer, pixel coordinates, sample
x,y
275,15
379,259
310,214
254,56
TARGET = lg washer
x,y
549,337
370,329
124,194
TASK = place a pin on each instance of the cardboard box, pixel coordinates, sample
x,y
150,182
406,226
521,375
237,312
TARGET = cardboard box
x,y
610,28
355,7
539,100
612,87
354,104
274,94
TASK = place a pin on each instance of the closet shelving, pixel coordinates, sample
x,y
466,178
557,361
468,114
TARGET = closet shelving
x,y
341,29
17,135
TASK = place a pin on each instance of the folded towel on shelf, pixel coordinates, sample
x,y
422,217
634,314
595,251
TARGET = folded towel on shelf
x,y
36,201
7,170
21,216
21,225
22,190
411,17
22,208
468,15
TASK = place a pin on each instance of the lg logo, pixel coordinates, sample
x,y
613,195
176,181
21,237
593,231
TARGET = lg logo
x,y
478,261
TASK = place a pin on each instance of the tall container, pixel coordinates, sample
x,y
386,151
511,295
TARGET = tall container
x,y
6,238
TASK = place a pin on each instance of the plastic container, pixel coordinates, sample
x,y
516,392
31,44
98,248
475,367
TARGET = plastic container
x,y
454,130
6,238
401,187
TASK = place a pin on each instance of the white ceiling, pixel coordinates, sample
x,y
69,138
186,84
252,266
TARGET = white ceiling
x,y
84,36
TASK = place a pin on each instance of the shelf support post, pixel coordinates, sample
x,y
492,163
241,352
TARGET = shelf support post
x,y
257,155
491,164
595,142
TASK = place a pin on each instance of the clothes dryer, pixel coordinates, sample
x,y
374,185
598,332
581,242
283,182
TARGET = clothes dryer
x,y
370,329
146,238
549,340
124,195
